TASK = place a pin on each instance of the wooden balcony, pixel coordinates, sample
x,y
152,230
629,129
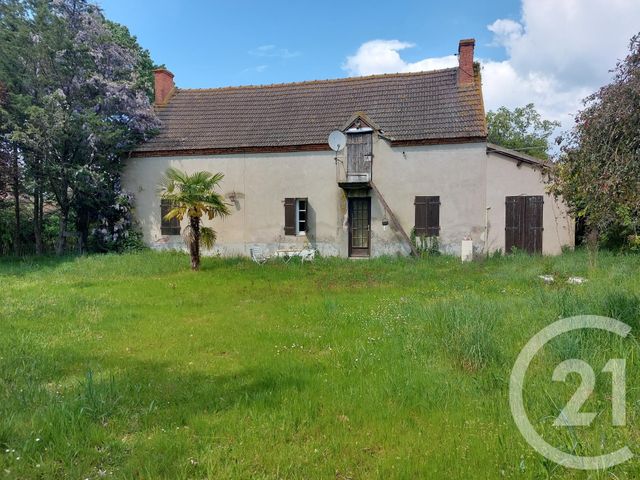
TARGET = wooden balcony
x,y
355,179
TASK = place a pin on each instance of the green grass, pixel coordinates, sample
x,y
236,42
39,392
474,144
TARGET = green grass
x,y
135,367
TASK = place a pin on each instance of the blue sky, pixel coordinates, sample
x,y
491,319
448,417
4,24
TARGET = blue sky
x,y
212,43
552,53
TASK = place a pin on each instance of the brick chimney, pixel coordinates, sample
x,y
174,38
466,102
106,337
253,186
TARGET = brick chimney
x,y
465,61
164,85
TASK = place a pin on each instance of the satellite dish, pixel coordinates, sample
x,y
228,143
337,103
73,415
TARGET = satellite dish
x,y
337,140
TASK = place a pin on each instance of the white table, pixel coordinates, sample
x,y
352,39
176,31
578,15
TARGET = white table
x,y
304,254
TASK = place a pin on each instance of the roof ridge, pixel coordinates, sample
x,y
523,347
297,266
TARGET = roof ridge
x,y
328,80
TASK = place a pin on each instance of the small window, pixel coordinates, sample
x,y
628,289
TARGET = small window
x,y
427,216
295,216
301,216
168,227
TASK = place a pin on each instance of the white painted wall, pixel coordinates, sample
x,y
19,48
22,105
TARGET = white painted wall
x,y
463,175
506,178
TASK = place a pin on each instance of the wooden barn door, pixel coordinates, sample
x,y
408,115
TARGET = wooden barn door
x,y
523,223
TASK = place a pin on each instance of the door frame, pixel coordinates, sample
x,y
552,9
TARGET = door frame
x,y
360,252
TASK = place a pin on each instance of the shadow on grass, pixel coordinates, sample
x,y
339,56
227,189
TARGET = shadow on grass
x,y
22,266
138,394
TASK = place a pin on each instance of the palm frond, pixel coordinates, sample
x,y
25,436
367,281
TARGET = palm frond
x,y
208,237
193,195
177,176
176,212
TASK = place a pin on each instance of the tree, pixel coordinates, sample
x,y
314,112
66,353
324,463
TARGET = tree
x,y
598,173
194,196
80,100
521,129
13,37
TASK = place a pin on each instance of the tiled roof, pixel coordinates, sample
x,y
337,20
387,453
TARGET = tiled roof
x,y
407,107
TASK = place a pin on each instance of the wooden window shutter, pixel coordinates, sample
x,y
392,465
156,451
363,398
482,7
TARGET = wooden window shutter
x,y
433,216
427,216
289,216
420,226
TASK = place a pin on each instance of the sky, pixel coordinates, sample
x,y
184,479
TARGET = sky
x,y
551,53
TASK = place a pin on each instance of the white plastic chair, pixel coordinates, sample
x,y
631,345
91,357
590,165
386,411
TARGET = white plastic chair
x,y
257,255
308,254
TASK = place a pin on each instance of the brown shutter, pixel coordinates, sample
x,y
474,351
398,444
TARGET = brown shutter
x,y
533,223
514,231
433,216
289,216
421,216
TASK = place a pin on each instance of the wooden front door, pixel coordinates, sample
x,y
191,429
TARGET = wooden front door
x,y
523,223
359,227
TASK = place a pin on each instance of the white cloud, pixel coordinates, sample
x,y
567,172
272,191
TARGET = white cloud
x,y
272,51
382,56
256,69
557,53
505,32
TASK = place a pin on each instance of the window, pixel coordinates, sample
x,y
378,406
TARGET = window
x,y
301,216
168,227
427,216
295,216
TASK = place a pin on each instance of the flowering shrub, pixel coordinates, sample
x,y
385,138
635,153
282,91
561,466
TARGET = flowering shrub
x,y
117,230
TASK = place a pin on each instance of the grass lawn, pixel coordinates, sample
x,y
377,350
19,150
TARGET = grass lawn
x,y
135,367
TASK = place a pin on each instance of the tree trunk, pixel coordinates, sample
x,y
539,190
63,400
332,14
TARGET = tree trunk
x,y
38,204
82,226
16,199
61,246
593,240
194,248
37,216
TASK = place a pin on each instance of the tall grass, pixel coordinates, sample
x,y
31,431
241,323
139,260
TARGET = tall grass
x,y
133,366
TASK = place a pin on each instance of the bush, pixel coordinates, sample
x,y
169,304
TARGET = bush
x,y
117,230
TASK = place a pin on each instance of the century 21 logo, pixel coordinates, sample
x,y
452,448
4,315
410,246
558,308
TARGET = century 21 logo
x,y
570,414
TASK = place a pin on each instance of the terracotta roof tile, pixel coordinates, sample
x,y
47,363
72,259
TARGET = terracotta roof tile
x,y
407,107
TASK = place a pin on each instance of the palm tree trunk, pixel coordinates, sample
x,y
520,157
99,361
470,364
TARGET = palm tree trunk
x,y
194,248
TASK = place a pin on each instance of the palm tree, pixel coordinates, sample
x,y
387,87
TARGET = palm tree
x,y
194,196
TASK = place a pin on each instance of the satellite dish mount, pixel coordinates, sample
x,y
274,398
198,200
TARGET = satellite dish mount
x,y
337,142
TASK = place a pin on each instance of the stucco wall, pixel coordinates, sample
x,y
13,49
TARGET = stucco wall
x,y
261,182
506,178
453,172
463,175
